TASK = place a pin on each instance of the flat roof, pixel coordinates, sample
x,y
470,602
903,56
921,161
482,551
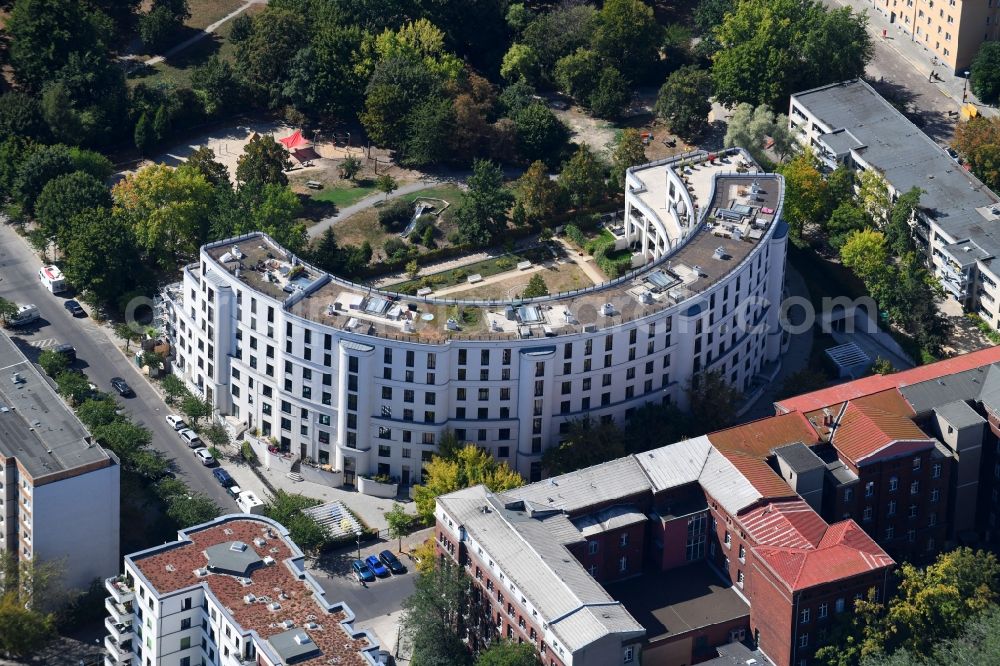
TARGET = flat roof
x,y
36,426
675,601
273,600
695,265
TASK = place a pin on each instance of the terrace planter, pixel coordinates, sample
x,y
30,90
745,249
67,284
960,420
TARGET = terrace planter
x,y
323,477
374,488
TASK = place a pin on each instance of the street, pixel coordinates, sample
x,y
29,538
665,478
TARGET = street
x,y
97,357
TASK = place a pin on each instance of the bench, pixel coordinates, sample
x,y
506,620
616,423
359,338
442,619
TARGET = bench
x,y
424,291
314,185
523,265
473,279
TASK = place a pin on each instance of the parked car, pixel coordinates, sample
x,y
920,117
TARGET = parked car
x,y
362,572
74,308
120,385
25,315
69,351
190,438
376,566
234,491
222,476
392,562
176,422
205,457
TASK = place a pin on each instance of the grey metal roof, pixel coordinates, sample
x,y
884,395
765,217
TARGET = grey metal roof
x,y
612,518
232,557
531,552
601,483
799,457
967,385
959,414
36,426
908,158
293,645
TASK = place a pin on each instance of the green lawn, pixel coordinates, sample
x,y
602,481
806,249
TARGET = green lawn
x,y
485,268
344,196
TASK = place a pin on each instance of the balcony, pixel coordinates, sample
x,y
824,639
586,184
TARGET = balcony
x,y
120,652
119,589
120,613
111,661
119,631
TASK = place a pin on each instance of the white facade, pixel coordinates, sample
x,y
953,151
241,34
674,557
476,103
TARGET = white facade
x,y
954,225
198,623
374,394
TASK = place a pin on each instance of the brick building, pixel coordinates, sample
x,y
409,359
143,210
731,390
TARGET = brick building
x,y
762,534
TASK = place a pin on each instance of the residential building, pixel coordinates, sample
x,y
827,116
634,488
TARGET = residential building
x,y
952,30
760,534
59,490
956,226
230,592
368,380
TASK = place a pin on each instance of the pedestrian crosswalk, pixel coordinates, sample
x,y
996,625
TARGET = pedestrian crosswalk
x,y
44,343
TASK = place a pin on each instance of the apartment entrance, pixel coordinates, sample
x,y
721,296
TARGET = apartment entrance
x,y
349,473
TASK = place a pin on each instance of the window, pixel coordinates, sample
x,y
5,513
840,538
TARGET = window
x,y
728,539
629,654
623,563
592,547
916,463
848,494
914,487
803,640
823,609
869,489
936,471
890,533
935,495
804,616
742,553
739,577
893,484
892,507
623,540
186,643
867,513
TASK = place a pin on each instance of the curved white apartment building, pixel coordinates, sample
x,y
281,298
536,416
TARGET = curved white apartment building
x,y
368,380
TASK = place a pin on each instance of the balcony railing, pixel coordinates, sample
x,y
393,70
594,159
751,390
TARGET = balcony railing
x,y
120,631
119,589
120,651
119,612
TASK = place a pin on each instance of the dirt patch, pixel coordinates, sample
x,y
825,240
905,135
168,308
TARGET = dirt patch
x,y
586,130
558,278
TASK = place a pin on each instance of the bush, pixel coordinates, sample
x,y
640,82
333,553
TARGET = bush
x,y
53,363
574,234
396,215
396,249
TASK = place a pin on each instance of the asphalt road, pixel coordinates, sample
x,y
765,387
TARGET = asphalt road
x,y
97,357
384,596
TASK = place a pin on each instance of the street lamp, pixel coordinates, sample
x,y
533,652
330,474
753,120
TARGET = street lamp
x,y
357,534
965,86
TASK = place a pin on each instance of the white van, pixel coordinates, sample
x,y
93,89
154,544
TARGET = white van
x,y
249,502
25,315
52,278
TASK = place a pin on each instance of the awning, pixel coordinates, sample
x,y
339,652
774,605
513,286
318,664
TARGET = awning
x,y
295,141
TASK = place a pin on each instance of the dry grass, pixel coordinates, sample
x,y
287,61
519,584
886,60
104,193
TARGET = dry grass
x,y
558,277
206,12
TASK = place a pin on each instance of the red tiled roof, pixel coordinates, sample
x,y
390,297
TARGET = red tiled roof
x,y
844,551
784,525
275,581
760,475
871,423
842,393
757,438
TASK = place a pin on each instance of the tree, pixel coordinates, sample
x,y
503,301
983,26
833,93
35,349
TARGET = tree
x,y
431,616
683,101
158,26
95,413
266,54
583,177
128,333
287,509
397,86
195,408
865,253
326,77
412,269
431,125
73,386
611,94
7,309
540,135
536,192
577,73
772,48
143,136
628,36
709,14
520,63
215,172
749,128
52,362
508,653
846,219
587,442
422,43
23,631
978,140
805,192
558,32
168,208
21,115
350,167
882,366
904,211
874,197
627,151
459,468
263,162
386,184
273,209
174,387
39,167
712,400
191,509
482,216
536,287
217,84
399,523
66,196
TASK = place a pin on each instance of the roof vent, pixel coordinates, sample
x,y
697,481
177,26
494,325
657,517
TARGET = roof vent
x,y
237,546
311,625
287,624
302,638
268,560
259,542
201,572
171,568
249,599
274,606
720,253
227,531
607,309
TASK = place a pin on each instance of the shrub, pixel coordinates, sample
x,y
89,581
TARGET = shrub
x,y
395,248
53,363
396,215
574,234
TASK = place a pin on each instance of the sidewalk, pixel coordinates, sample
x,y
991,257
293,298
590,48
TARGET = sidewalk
x,y
915,53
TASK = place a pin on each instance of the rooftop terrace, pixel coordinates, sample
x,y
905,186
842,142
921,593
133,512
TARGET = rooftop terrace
x,y
36,426
284,608
739,210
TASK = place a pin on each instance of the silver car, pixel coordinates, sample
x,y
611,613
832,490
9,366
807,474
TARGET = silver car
x,y
191,438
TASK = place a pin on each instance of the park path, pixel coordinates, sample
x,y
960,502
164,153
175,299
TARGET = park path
x,y
174,50
585,263
317,229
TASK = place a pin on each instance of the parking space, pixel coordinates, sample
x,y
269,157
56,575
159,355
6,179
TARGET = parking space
x,y
376,599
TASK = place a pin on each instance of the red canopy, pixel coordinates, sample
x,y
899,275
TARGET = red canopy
x,y
295,141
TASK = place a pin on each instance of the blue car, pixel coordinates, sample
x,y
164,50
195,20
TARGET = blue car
x,y
362,572
373,563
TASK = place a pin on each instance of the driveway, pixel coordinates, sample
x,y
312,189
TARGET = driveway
x,y
97,356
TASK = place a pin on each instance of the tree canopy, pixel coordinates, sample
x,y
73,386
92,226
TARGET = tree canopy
x,y
984,75
459,468
683,101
